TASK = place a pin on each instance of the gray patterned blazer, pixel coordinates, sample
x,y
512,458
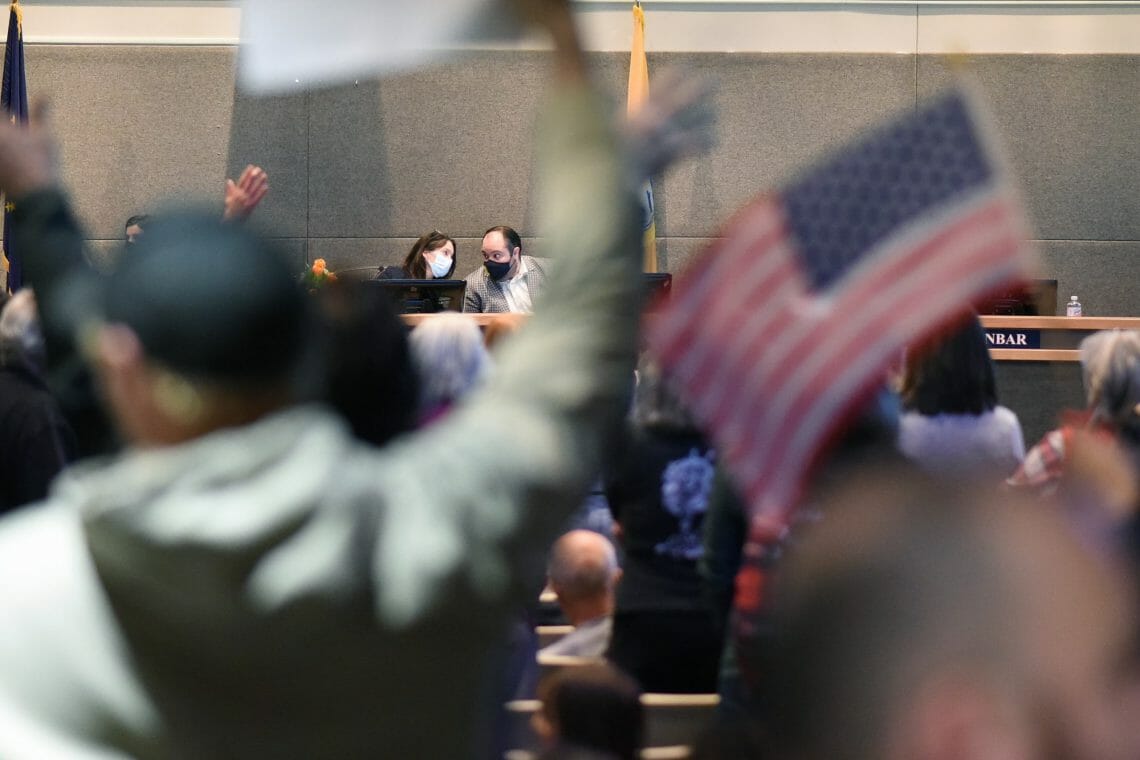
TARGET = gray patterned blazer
x,y
486,296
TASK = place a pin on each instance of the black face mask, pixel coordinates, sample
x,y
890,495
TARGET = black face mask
x,y
496,270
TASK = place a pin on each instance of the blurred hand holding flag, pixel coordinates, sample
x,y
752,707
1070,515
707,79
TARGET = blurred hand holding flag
x,y
778,330
14,100
638,93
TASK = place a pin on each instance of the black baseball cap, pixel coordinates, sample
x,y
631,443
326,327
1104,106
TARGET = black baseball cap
x,y
209,299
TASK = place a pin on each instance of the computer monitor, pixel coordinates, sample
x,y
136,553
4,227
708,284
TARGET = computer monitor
x,y
422,296
1036,298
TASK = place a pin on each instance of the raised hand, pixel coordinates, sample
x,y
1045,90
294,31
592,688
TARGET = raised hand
x,y
243,196
27,154
675,122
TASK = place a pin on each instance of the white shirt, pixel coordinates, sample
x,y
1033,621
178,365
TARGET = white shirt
x,y
963,444
517,291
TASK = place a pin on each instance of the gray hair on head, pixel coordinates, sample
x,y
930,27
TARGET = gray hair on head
x,y
20,325
1110,360
449,357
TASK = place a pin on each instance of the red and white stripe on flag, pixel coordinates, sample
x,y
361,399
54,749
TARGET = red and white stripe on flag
x,y
773,370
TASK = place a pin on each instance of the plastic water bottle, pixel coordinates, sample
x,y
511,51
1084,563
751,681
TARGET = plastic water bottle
x,y
1073,308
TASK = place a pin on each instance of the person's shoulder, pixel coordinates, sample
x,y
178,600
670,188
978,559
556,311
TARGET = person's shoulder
x,y
1006,415
912,422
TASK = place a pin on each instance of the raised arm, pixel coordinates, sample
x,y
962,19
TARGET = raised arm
x,y
47,236
515,461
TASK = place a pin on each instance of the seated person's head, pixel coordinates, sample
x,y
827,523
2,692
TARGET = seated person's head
x,y
201,326
952,374
583,572
502,251
919,623
431,257
135,228
1110,360
450,359
591,707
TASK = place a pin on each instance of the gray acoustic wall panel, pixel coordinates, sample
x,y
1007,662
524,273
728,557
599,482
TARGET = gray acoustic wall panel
x,y
136,124
1038,392
449,147
274,134
1070,122
676,253
776,112
1105,275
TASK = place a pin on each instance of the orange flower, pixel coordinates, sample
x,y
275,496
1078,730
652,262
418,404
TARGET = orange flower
x,y
319,267
332,277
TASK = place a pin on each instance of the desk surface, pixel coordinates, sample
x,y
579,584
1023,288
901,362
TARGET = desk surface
x,y
1089,324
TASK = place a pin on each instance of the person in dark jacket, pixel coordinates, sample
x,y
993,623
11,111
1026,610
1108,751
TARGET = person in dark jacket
x,y
664,633
35,442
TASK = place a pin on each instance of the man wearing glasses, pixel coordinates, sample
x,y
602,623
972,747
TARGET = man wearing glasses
x,y
508,281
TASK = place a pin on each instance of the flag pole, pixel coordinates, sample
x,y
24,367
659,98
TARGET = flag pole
x,y
638,93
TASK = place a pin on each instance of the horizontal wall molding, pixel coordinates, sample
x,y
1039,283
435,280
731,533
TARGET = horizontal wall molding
x,y
119,22
753,26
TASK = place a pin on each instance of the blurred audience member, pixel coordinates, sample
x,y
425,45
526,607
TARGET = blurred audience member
x,y
583,571
450,361
35,442
248,580
590,711
953,425
1110,362
916,622
734,576
432,257
658,490
368,373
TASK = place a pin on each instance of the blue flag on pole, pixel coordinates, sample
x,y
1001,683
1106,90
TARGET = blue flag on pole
x,y
14,101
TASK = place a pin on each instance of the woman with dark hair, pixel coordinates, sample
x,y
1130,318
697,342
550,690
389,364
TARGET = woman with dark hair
x,y
952,423
432,258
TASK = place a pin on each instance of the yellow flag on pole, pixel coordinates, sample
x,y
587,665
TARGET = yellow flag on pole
x,y
638,94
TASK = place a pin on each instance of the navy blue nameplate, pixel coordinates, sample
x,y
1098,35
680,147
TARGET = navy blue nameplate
x,y
1005,338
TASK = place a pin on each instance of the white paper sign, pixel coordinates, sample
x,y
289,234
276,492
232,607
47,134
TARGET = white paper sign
x,y
292,44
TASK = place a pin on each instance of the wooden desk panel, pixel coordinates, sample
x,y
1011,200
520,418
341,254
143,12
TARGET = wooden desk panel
x,y
1060,336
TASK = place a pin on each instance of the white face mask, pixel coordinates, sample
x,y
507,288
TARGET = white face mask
x,y
440,266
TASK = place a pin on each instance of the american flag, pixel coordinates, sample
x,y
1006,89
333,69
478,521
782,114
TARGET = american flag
x,y
781,327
